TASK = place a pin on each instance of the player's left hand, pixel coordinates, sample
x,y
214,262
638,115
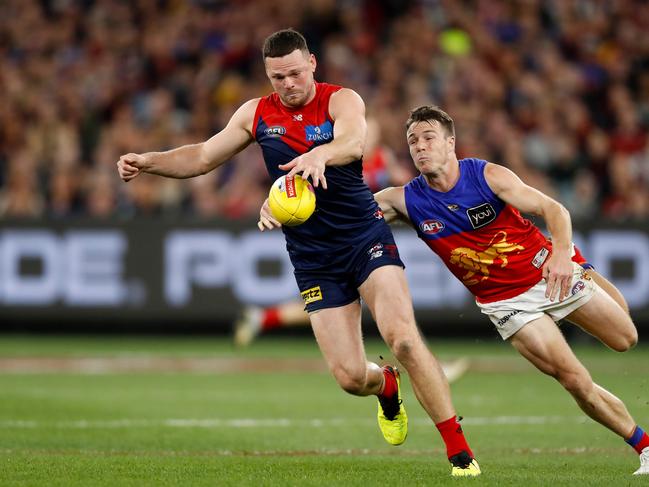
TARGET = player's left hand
x,y
557,273
309,164
266,219
130,166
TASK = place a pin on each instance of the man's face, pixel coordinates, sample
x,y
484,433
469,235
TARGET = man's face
x,y
292,76
430,146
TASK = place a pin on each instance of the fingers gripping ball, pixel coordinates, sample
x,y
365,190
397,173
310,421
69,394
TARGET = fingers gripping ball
x,y
291,200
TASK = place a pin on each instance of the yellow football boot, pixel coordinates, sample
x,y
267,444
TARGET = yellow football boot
x,y
392,416
464,465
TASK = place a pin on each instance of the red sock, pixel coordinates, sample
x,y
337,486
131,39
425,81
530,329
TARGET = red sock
x,y
270,319
642,444
389,385
453,436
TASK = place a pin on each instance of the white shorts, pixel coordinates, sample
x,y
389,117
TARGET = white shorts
x,y
510,315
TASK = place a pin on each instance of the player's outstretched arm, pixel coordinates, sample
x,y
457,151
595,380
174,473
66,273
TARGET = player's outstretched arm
x,y
392,202
347,110
508,186
194,159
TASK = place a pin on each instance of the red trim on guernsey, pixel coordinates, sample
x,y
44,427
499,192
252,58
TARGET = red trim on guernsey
x,y
294,120
255,121
578,257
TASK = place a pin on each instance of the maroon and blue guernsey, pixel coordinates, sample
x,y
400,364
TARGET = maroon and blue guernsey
x,y
346,211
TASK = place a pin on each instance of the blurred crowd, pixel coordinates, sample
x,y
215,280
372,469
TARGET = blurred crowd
x,y
557,90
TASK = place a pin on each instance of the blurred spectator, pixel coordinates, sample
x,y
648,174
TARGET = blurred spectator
x,y
583,200
380,166
100,195
559,91
20,196
64,198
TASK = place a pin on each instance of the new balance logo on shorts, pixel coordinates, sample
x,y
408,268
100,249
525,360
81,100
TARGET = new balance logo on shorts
x,y
311,295
376,251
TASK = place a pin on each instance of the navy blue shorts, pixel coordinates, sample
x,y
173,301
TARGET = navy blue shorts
x,y
336,283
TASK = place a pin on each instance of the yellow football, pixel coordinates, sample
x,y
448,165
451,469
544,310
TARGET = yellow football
x,y
291,200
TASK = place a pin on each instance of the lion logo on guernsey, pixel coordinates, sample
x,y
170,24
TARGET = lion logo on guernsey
x,y
311,295
477,263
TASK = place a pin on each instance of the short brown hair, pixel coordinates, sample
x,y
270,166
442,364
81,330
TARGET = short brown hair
x,y
431,113
284,42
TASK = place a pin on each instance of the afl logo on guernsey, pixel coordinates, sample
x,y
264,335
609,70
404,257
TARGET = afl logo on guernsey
x,y
482,215
275,131
431,227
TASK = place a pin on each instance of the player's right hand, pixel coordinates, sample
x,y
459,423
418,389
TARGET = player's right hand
x,y
557,273
130,166
310,164
266,219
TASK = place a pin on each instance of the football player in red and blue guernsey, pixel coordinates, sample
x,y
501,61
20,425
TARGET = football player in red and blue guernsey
x,y
345,250
467,212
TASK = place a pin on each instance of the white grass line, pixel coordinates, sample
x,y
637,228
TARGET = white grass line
x,y
518,420
580,450
273,422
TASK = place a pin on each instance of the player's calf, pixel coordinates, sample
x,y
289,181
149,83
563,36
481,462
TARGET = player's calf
x,y
352,382
578,383
361,380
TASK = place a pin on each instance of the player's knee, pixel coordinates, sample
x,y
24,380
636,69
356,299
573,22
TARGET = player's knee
x,y
403,348
622,335
632,338
625,341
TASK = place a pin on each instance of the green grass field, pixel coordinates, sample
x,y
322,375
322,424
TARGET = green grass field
x,y
194,411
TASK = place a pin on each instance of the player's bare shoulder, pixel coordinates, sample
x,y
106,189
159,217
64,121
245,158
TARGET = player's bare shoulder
x,y
346,94
499,178
346,100
245,115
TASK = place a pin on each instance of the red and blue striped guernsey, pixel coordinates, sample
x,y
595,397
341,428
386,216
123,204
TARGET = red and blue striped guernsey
x,y
346,211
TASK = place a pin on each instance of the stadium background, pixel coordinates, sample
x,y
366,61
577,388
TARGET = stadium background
x,y
557,91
